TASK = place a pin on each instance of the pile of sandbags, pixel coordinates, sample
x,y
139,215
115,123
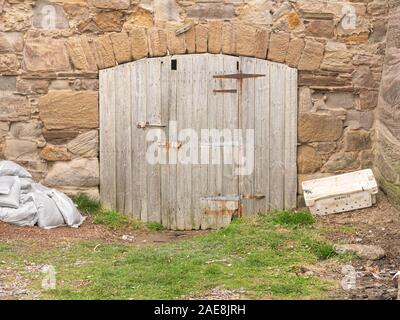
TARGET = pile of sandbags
x,y
26,203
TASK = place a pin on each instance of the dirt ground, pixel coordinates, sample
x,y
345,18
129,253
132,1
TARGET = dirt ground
x,y
379,225
89,231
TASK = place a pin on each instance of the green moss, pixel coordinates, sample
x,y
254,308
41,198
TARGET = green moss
x,y
87,205
293,218
155,226
111,219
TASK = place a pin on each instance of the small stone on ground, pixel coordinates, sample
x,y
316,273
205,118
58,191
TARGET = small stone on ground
x,y
368,252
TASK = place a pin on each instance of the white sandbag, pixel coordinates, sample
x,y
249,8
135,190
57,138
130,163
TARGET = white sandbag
x,y
72,216
48,214
24,198
24,216
6,184
26,183
37,187
9,168
26,203
11,200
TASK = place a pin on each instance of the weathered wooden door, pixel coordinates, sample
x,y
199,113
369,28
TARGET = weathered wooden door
x,y
189,141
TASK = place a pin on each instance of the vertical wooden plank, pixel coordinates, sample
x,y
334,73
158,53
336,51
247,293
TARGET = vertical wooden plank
x,y
172,152
119,89
230,121
128,159
215,104
199,111
123,138
184,105
291,139
165,172
261,176
140,85
153,93
135,142
277,127
247,114
107,139
188,123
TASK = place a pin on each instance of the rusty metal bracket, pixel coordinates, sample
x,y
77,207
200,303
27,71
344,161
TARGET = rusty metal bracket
x,y
225,91
144,125
239,76
253,196
221,198
236,198
171,145
220,144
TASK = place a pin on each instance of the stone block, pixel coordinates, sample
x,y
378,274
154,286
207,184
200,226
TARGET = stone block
x,y
75,173
278,46
314,127
157,42
201,38
294,52
312,55
139,45
122,47
46,55
308,160
103,51
81,54
55,153
69,110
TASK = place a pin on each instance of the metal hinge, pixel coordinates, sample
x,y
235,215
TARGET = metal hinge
x,y
239,76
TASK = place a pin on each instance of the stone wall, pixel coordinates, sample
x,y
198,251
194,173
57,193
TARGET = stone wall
x,y
387,146
51,51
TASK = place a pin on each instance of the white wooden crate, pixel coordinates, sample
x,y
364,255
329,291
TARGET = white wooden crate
x,y
341,193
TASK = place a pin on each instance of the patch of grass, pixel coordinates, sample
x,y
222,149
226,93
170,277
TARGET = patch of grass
x,y
293,218
111,219
348,257
117,221
154,226
321,249
348,229
87,205
4,248
253,254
